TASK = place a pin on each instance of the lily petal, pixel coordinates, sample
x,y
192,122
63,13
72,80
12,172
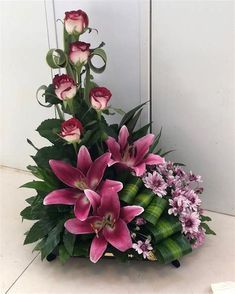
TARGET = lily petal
x,y
62,196
84,159
139,169
82,207
68,174
93,197
75,226
96,171
142,146
114,148
110,204
128,213
113,185
123,137
118,236
98,247
152,159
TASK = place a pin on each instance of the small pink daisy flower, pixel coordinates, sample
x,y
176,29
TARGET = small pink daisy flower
x,y
143,247
190,222
156,183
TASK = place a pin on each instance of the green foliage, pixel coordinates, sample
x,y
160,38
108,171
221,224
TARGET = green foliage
x,y
39,230
207,229
56,58
130,115
101,53
50,129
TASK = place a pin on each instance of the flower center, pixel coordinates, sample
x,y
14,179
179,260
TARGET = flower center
x,y
106,221
81,185
129,154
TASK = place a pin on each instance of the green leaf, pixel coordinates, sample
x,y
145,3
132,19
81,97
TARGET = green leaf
x,y
63,254
133,121
30,200
39,230
156,141
39,245
50,96
56,58
50,129
101,53
38,185
205,218
166,226
165,153
31,143
141,132
129,115
69,241
207,229
45,154
155,209
53,239
173,248
27,213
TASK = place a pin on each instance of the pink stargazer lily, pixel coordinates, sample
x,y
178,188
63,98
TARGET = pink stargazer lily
x,y
87,175
134,156
108,222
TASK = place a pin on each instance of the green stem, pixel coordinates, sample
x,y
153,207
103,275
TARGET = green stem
x,y
75,147
60,114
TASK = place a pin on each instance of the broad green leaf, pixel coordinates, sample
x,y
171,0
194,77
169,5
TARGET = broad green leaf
x,y
63,254
38,185
39,230
205,218
50,129
69,241
50,96
53,239
30,200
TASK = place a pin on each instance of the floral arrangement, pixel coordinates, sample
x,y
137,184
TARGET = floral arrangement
x,y
103,189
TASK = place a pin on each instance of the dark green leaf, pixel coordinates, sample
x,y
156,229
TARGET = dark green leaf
x,y
207,229
50,129
30,200
69,241
53,239
205,218
141,132
38,185
39,230
130,114
63,254
156,141
133,121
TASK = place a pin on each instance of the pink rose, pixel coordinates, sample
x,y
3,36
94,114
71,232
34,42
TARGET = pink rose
x,y
99,97
71,130
65,87
75,21
79,52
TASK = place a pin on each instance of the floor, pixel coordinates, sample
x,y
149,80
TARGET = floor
x,y
23,272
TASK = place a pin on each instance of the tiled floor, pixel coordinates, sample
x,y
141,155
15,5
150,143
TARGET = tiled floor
x,y
23,272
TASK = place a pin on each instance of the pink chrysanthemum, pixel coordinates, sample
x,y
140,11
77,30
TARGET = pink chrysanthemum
x,y
195,201
190,222
199,238
143,247
178,205
156,183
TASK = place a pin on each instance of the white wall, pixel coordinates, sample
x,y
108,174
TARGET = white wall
x,y
193,90
23,69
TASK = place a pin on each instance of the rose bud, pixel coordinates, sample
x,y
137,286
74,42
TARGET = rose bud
x,y
99,97
71,130
65,87
75,21
79,52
